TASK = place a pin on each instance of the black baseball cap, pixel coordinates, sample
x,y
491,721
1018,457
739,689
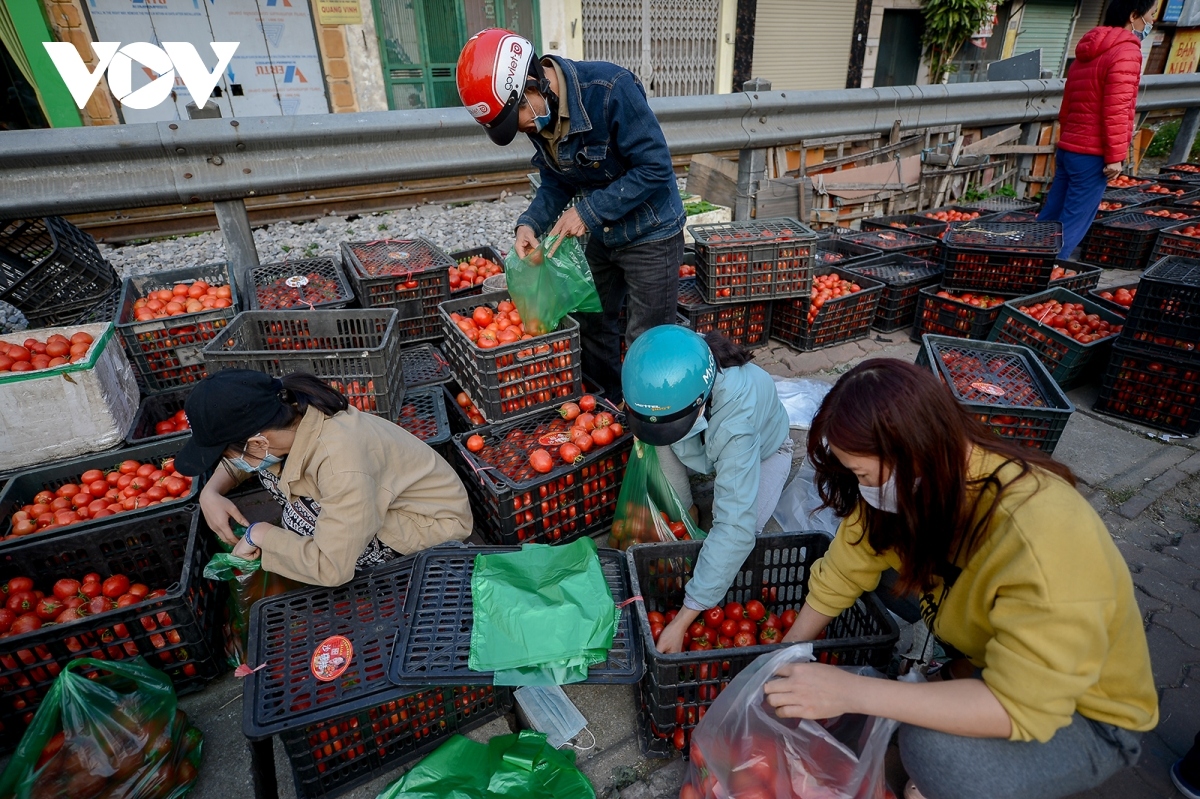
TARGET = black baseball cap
x,y
226,408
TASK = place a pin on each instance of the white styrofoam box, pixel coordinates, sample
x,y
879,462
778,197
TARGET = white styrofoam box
x,y
69,410
721,214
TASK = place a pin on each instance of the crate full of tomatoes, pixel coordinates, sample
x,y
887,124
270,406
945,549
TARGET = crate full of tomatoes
x,y
1126,241
1185,169
1075,276
761,260
549,477
506,370
1117,299
902,277
300,285
843,254
919,224
166,318
996,257
770,590
1070,334
355,352
1151,389
841,309
963,314
120,590
895,241
64,392
1004,386
80,494
746,324
345,732
1182,240
472,267
1164,317
410,275
160,416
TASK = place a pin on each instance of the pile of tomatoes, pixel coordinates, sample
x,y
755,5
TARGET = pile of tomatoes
x,y
983,301
130,486
34,355
687,270
296,291
1165,214
472,272
1071,319
178,423
952,216
1125,182
488,328
1192,168
1189,230
1107,205
183,298
359,393
826,288
731,627
1058,273
469,408
1164,190
1122,296
26,610
587,428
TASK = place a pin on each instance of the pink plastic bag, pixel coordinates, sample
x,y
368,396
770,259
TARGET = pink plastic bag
x,y
742,750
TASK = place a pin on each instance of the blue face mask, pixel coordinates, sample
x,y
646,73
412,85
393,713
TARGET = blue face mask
x,y
540,121
1144,33
241,465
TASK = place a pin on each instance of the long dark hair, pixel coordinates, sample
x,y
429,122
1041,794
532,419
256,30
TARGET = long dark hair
x,y
725,351
1118,11
302,390
903,415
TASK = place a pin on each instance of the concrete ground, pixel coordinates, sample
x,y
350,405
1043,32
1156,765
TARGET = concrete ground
x,y
1146,489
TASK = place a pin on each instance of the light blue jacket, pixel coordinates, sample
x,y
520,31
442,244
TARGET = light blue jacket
x,y
746,425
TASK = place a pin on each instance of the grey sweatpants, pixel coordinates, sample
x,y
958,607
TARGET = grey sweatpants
x,y
774,474
1079,757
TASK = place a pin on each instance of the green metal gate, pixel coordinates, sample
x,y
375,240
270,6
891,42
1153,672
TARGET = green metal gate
x,y
419,42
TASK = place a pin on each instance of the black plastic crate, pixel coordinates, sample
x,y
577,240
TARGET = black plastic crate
x,y
1165,316
518,378
998,257
775,573
1096,295
1014,217
1128,181
1182,240
435,644
894,241
24,486
152,410
945,313
356,352
654,743
410,275
1152,390
178,633
424,415
1003,385
1170,192
342,733
424,365
902,277
747,324
842,254
1069,362
490,253
761,260
1087,276
460,419
1001,204
1187,170
513,504
839,320
51,270
303,285
952,214
106,310
1126,241
911,223
1116,201
169,353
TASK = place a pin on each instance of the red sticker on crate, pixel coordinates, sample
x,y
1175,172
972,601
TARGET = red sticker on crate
x,y
297,281
554,439
332,658
988,388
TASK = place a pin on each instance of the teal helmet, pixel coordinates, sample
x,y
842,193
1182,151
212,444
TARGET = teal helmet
x,y
667,377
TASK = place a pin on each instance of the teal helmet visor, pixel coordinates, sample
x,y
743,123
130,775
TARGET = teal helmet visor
x,y
667,377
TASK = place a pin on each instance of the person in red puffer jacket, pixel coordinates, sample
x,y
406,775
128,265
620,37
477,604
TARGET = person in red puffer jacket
x,y
1096,117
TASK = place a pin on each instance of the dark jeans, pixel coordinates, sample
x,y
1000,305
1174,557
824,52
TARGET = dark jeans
x,y
1074,196
646,278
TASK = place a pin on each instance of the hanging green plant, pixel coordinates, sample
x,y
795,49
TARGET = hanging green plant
x,y
948,26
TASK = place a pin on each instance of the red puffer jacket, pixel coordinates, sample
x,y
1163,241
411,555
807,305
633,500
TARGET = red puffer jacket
x,y
1101,94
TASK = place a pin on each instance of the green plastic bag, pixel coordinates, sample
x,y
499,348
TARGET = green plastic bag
x,y
542,615
646,496
119,734
519,766
545,288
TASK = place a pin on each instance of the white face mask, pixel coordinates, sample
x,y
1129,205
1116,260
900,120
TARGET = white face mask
x,y
881,497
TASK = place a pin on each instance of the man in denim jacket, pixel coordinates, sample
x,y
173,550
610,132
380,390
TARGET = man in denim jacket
x,y
597,142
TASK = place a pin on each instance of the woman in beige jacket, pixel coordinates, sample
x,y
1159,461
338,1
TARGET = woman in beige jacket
x,y
356,490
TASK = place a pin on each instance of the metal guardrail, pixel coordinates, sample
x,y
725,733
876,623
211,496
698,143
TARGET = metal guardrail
x,y
72,170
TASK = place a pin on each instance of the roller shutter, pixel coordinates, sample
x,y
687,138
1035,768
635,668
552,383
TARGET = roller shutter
x,y
1046,25
803,44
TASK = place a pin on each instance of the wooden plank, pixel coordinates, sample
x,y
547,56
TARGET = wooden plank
x,y
1024,149
985,145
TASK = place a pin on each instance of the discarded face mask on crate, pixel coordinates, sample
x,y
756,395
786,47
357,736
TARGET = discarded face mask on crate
x,y
542,616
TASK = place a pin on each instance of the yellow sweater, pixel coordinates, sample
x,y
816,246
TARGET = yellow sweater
x,y
1045,607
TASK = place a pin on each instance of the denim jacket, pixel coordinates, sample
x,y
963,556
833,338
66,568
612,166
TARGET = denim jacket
x,y
614,155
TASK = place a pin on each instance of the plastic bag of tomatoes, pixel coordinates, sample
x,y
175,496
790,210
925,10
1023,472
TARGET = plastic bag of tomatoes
x,y
546,287
742,749
106,727
648,509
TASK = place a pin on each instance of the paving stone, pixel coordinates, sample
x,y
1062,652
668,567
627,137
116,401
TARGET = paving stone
x,y
666,781
1170,656
1085,436
1179,714
1140,473
1153,491
1185,624
1191,465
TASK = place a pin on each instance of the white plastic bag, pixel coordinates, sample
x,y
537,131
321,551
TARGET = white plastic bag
x,y
801,398
742,749
799,507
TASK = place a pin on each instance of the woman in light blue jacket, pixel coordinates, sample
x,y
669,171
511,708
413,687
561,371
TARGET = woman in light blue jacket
x,y
703,404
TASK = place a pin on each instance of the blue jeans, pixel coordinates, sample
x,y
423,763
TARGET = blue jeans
x,y
1075,194
1079,757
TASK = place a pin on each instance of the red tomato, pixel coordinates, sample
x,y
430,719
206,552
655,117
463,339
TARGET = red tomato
x,y
586,422
713,617
65,588
25,624
7,617
755,610
616,429
654,617
729,628
569,411
483,316
570,453
175,486
587,403
769,635
48,608
788,619
541,461
602,436
129,467
744,638
697,629
475,443
114,586
22,602
99,604
604,419
91,589
735,611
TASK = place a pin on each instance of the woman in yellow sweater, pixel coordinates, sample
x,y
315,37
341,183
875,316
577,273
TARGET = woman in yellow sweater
x,y
1018,578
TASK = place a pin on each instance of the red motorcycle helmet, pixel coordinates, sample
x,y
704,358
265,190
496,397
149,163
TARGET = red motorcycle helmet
x,y
494,69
